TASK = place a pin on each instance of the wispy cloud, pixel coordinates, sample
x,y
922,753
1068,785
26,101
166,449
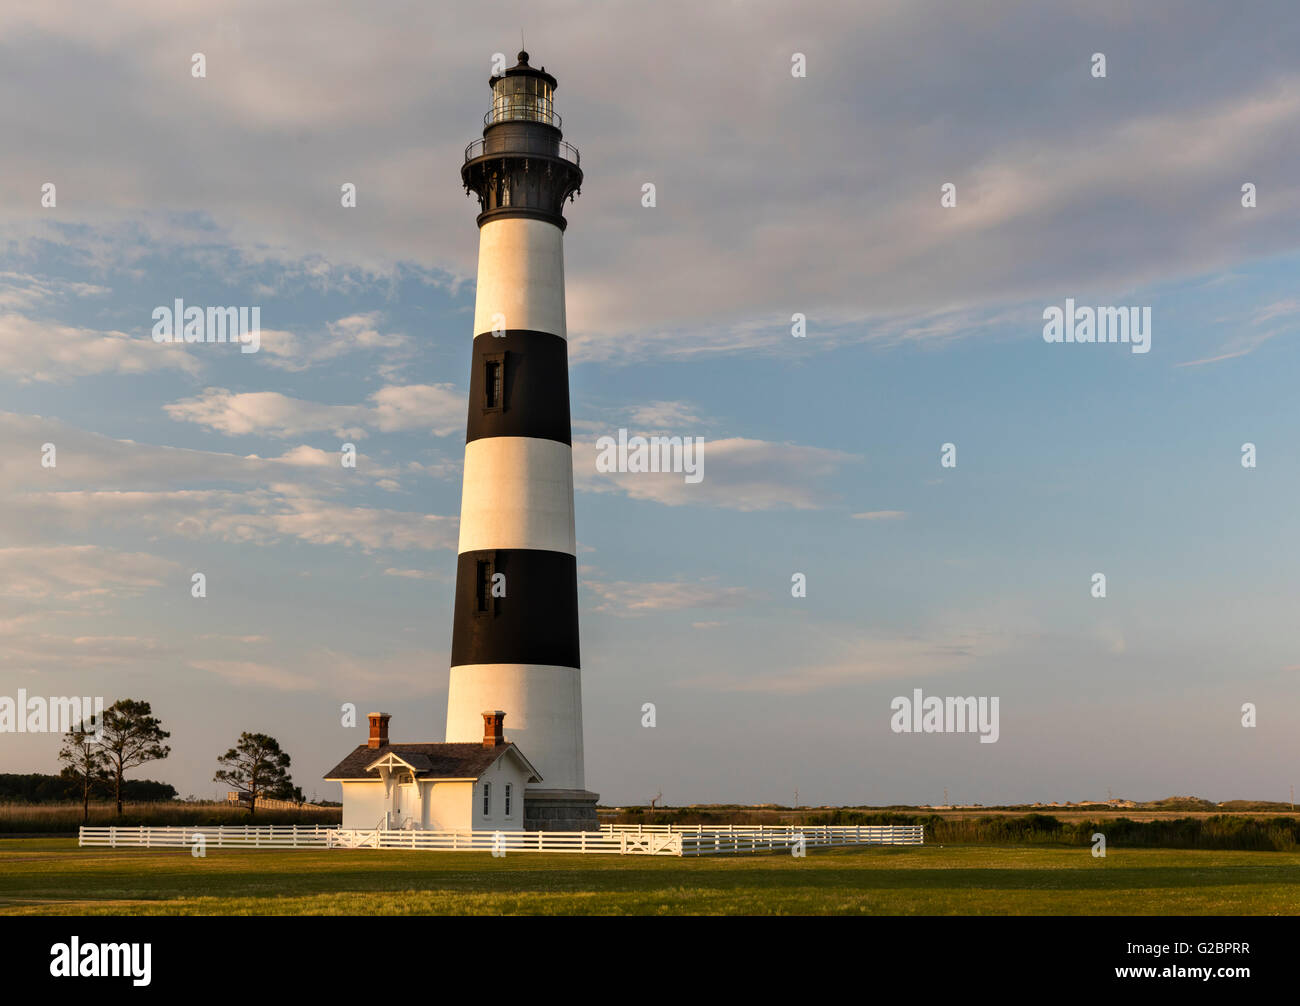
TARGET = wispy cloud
x,y
46,352
858,658
640,598
739,474
880,515
439,408
354,333
74,572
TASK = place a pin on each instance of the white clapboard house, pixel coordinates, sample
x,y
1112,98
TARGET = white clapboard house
x,y
435,787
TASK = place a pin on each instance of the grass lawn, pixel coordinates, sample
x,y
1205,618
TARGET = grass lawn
x,y
55,877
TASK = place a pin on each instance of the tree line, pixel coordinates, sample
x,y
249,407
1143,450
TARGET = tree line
x,y
97,755
38,787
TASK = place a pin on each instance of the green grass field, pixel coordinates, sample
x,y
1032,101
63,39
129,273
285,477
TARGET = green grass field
x,y
55,877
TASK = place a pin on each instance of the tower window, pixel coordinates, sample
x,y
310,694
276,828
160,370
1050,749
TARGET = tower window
x,y
487,799
494,382
483,600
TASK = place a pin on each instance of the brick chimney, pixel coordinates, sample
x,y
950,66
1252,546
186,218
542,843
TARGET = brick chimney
x,y
378,729
493,735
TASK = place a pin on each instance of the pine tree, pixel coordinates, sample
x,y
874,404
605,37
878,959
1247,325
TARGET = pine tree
x,y
256,766
85,762
132,736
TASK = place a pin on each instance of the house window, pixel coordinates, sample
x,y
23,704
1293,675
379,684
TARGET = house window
x,y
508,799
487,799
483,586
494,382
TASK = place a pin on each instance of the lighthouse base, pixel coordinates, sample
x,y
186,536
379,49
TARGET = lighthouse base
x,y
560,810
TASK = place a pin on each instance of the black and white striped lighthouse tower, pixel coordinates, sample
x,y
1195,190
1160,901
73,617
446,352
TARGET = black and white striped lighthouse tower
x,y
515,639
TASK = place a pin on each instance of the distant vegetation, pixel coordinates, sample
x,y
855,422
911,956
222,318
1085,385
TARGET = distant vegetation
x,y
96,755
34,787
64,818
1216,831
1221,831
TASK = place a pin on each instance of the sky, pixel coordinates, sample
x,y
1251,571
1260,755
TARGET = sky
x,y
775,195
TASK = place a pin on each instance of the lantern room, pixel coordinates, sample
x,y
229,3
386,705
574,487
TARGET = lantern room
x,y
523,94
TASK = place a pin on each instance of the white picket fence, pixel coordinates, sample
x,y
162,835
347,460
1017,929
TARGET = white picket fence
x,y
623,844
612,839
290,836
704,840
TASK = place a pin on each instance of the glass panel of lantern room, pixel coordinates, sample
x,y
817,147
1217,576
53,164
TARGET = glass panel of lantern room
x,y
516,99
503,99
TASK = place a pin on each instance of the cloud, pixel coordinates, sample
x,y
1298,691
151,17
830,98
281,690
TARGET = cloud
x,y
24,291
74,572
187,494
47,352
857,658
354,333
27,646
665,416
248,673
439,408
632,598
251,518
419,672
880,515
739,474
1062,180
1286,311
86,459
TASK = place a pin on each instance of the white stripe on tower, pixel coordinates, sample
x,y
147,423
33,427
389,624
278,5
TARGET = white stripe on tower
x,y
520,275
518,493
545,703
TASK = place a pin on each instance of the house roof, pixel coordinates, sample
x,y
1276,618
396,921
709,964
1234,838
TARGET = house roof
x,y
429,761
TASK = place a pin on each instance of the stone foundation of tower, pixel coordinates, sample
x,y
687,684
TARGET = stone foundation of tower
x,y
560,810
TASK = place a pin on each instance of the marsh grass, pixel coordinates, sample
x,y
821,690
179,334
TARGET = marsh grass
x,y
65,818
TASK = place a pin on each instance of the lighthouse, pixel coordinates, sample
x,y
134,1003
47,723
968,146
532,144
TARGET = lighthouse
x,y
515,633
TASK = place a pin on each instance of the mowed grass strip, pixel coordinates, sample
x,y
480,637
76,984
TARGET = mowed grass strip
x,y
55,877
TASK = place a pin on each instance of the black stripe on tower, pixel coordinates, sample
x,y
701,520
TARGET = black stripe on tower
x,y
519,386
535,623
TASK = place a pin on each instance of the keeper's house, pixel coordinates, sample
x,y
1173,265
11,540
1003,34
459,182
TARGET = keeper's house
x,y
435,787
